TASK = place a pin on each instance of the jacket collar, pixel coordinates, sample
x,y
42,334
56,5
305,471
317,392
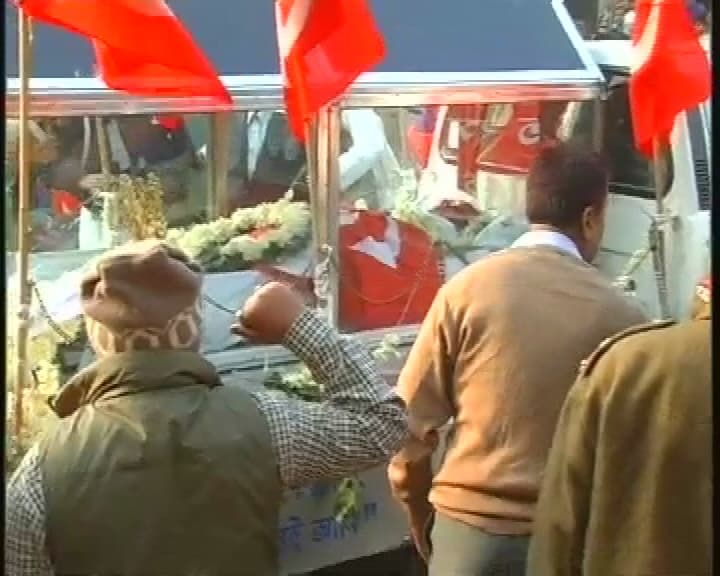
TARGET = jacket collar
x,y
131,373
551,238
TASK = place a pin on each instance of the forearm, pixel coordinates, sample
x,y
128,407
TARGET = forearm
x,y
360,423
410,474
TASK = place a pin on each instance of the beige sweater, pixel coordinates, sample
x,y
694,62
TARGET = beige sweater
x,y
497,354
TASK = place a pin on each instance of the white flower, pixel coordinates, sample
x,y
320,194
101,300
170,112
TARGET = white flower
x,y
283,222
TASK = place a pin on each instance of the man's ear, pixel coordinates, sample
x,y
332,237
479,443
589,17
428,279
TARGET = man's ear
x,y
593,215
589,217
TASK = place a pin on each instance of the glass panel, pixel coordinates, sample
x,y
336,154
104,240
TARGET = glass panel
x,y
163,177
66,196
632,173
451,180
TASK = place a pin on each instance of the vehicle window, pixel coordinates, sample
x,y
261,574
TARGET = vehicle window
x,y
632,173
215,185
68,160
426,192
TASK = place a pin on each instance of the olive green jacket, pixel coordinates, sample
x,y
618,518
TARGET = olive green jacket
x,y
628,486
156,468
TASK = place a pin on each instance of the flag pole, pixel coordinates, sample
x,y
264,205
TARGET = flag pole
x,y
23,229
103,149
657,243
317,206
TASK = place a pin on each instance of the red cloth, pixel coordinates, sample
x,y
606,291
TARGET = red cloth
x,y
514,149
420,143
470,117
324,46
420,135
671,72
375,295
65,204
510,151
140,45
170,122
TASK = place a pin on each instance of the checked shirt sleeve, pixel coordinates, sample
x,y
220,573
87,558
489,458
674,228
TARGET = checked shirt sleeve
x,y
361,422
25,551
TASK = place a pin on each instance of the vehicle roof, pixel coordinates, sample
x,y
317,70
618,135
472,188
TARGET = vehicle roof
x,y
444,42
611,53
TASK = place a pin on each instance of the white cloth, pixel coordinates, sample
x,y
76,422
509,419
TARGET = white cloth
x,y
370,150
94,232
385,251
547,238
257,127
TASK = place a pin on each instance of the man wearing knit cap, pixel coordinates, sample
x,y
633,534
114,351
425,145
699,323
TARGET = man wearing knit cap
x,y
155,467
628,486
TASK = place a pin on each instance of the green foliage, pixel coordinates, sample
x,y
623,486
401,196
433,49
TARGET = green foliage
x,y
50,367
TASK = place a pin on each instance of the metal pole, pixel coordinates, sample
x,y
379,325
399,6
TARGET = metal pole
x,y
220,135
103,149
312,171
658,247
23,231
599,112
317,144
332,207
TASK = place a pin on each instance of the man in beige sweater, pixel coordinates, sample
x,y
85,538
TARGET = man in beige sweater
x,y
496,356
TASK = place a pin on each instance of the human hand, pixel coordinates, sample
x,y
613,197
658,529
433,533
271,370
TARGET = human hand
x,y
268,314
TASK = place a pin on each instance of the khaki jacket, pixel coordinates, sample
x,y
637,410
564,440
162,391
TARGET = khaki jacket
x,y
628,485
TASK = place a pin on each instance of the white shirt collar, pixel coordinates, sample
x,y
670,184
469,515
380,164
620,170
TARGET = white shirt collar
x,y
547,238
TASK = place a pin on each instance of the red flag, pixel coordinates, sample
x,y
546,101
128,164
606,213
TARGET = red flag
x,y
671,72
140,45
324,46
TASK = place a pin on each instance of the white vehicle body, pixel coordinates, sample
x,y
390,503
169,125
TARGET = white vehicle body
x,y
631,212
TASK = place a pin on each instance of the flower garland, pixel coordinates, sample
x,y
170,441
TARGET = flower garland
x,y
135,206
441,230
248,236
132,207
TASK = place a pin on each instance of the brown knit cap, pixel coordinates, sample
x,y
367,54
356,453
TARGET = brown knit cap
x,y
142,295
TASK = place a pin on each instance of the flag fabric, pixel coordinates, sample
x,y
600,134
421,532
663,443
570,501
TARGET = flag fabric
x,y
670,71
140,45
324,46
